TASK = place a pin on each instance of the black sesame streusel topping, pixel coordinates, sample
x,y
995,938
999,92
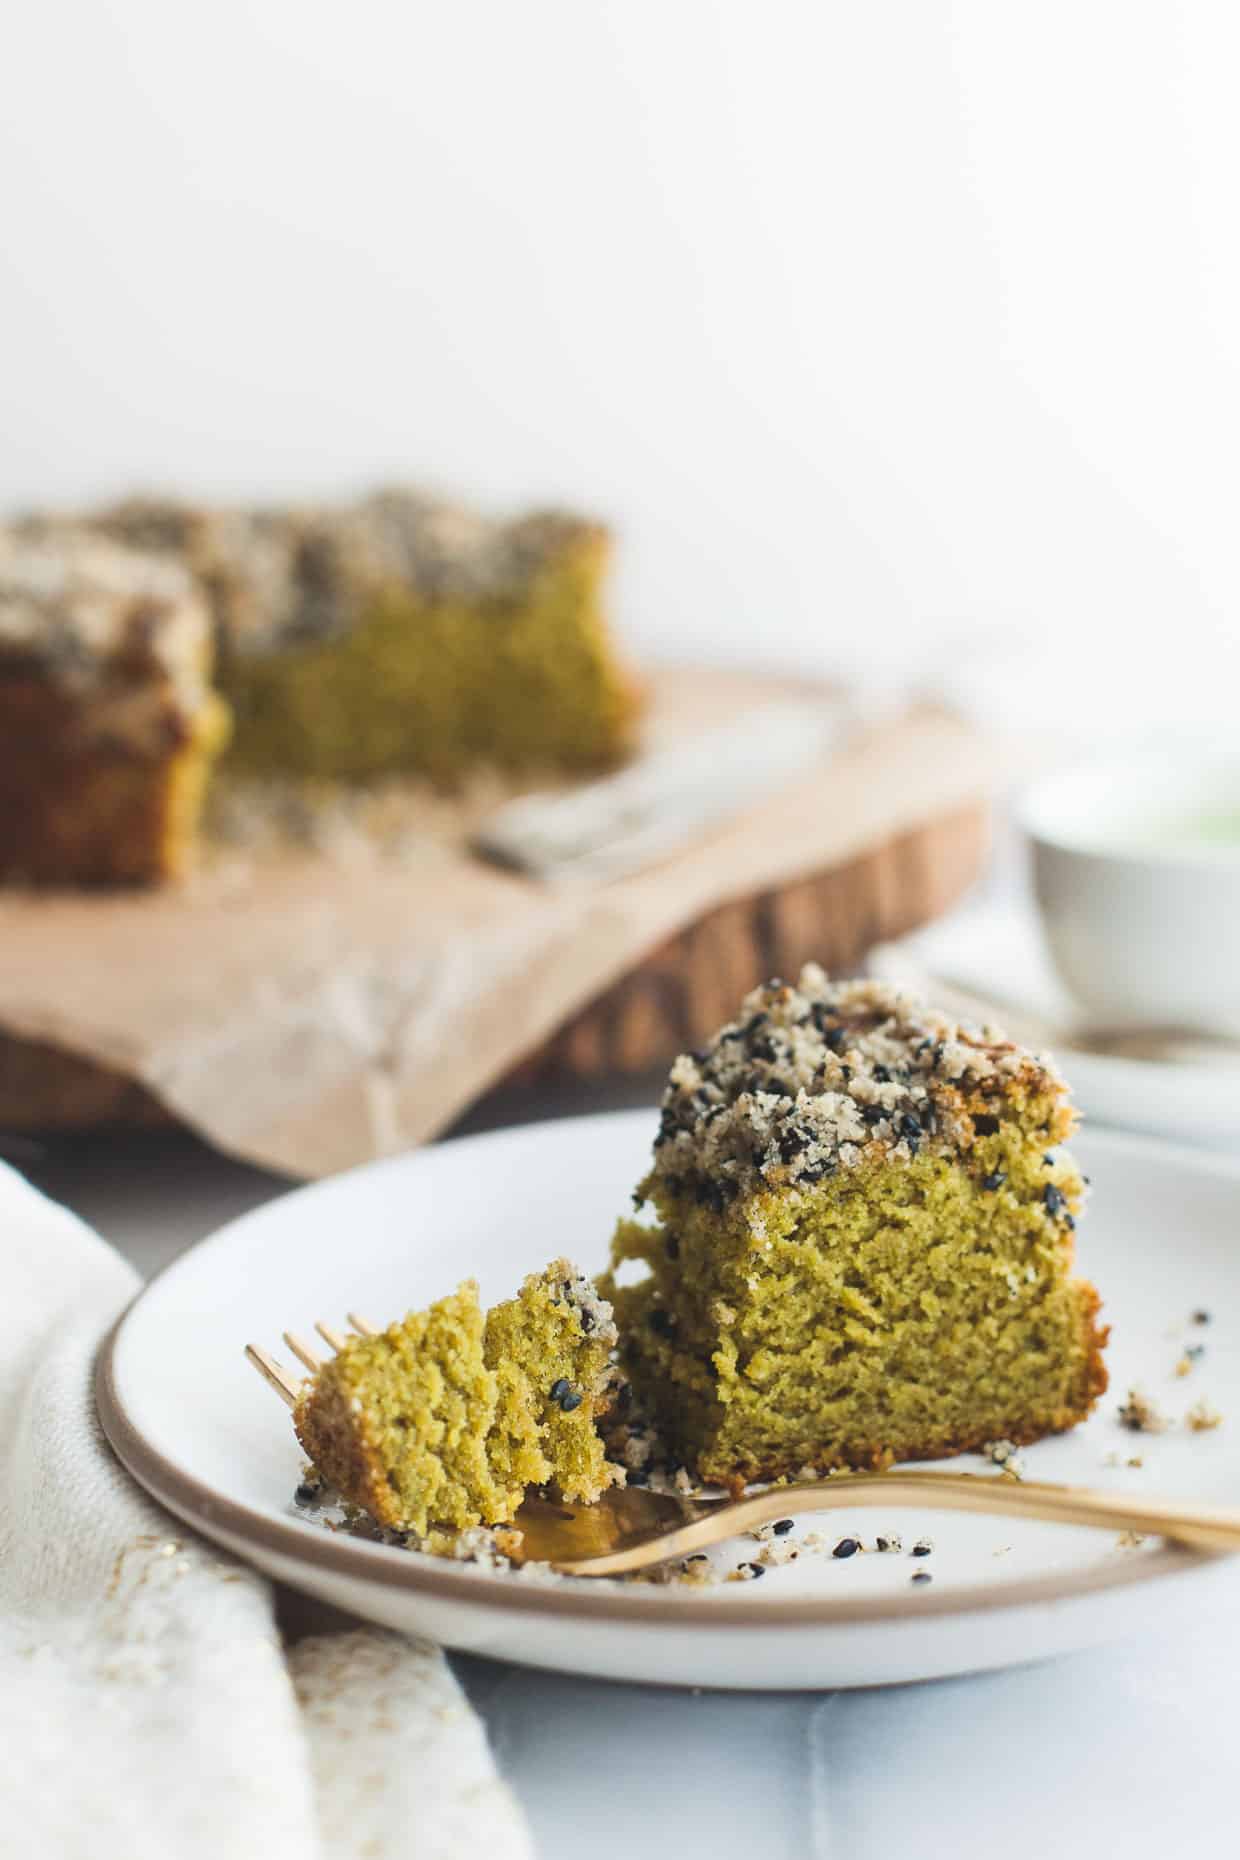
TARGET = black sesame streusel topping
x,y
806,1078
570,1286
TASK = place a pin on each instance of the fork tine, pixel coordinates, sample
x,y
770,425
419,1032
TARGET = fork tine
x,y
362,1326
303,1353
273,1373
336,1338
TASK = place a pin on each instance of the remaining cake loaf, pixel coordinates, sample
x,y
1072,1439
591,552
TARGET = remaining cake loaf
x,y
443,1420
108,725
402,633
863,1244
395,634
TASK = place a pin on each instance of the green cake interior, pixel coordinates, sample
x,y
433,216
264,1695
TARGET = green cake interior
x,y
443,1420
847,1281
438,686
550,1346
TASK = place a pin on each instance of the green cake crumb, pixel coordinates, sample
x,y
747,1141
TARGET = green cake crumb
x,y
442,1421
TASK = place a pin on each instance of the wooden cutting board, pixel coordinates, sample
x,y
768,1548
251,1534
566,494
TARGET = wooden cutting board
x,y
908,832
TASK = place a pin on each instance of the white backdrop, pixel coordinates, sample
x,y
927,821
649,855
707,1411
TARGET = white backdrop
x,y
867,325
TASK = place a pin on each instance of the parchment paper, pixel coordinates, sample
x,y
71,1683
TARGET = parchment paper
x,y
311,1009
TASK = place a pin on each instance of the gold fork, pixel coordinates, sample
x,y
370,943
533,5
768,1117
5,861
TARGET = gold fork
x,y
631,1527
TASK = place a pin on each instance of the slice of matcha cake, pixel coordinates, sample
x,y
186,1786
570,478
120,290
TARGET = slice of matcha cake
x,y
443,1420
863,1246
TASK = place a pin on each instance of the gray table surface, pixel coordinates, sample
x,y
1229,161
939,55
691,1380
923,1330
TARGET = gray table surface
x,y
1128,1749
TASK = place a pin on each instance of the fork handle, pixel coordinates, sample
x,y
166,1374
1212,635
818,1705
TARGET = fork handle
x,y
1201,1527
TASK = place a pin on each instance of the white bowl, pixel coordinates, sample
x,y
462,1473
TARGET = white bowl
x,y
1136,865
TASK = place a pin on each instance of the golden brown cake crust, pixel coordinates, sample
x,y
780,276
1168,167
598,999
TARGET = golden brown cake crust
x,y
337,1441
106,716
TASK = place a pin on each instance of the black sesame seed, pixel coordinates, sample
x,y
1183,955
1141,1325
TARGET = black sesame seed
x,y
1195,1350
697,1556
782,1526
995,1180
921,1575
1054,1199
751,1026
1048,1161
1069,1221
751,1569
639,1200
559,1389
1201,1317
586,1319
984,1124
661,1322
833,1033
306,1495
764,1048
814,1172
847,1546
570,1401
882,1075
872,1113
921,1548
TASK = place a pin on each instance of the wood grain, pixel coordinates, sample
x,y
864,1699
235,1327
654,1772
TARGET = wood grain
x,y
672,1000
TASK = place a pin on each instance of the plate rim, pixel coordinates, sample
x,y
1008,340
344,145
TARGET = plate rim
x,y
213,1511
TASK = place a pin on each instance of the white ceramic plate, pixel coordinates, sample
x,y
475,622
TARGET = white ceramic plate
x,y
1191,1102
195,1425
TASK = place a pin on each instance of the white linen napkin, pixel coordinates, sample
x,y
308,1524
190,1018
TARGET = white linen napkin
x,y
148,1706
